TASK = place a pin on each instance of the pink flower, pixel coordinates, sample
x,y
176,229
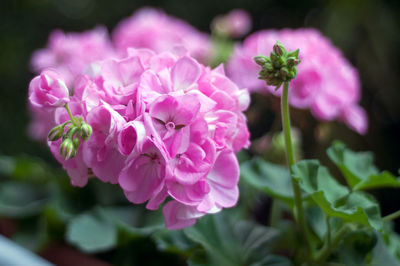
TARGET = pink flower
x,y
326,83
153,29
71,53
144,174
164,126
100,152
236,23
220,191
171,117
48,90
121,78
178,215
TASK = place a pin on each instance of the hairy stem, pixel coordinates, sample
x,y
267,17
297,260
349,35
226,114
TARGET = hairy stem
x,y
73,119
299,212
391,216
275,213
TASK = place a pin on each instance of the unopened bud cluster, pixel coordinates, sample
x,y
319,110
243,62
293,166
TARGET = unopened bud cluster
x,y
279,67
71,137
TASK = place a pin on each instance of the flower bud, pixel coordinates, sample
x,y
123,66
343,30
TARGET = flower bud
x,y
77,142
56,133
280,67
294,54
261,60
268,67
284,72
292,62
279,49
67,149
85,131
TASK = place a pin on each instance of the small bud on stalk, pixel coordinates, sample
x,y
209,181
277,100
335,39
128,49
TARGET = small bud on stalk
x,y
67,149
71,139
280,67
77,142
261,60
56,133
278,49
85,131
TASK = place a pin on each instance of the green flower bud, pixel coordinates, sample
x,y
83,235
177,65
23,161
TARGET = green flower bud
x,y
77,142
284,72
292,62
273,57
292,73
85,131
56,133
279,49
67,149
261,60
279,67
294,54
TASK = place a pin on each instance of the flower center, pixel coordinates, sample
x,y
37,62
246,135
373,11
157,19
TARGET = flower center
x,y
170,125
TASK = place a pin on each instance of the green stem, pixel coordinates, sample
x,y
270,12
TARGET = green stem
x,y
291,161
275,214
391,216
328,231
73,119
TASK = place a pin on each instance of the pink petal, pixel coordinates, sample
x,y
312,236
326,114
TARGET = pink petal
x,y
184,73
178,216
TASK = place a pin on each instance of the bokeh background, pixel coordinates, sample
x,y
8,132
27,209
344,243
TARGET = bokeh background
x,y
367,32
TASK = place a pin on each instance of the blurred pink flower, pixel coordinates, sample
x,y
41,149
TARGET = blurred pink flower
x,y
326,83
153,29
236,23
71,53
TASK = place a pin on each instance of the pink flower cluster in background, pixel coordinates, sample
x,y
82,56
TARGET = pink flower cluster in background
x,y
236,24
71,53
153,29
326,83
164,126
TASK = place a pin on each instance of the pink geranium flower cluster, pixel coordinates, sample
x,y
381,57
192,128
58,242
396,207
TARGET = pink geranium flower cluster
x,y
326,83
164,126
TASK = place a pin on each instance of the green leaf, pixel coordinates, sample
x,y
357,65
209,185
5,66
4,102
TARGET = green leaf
x,y
334,198
387,250
355,247
358,168
384,179
92,232
317,220
26,168
382,255
270,178
22,199
227,243
174,241
132,222
273,260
